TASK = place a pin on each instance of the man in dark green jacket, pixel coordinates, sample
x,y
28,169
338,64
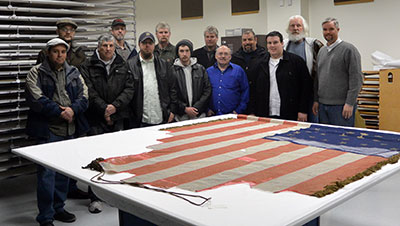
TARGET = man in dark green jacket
x,y
66,31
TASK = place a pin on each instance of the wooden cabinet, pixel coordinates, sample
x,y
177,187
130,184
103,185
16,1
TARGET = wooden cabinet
x,y
389,100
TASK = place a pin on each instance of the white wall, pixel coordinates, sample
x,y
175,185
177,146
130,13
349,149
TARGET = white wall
x,y
216,12
369,26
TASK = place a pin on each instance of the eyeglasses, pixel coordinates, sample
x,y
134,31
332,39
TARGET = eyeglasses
x,y
67,30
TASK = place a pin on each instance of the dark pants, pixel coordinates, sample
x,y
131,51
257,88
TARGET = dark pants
x,y
52,187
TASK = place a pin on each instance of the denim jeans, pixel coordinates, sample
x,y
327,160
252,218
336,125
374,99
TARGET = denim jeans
x,y
52,188
332,114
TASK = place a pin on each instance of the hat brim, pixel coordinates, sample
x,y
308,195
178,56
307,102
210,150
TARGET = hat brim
x,y
65,24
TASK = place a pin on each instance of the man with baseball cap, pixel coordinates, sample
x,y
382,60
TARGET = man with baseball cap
x,y
193,86
155,93
118,30
57,97
66,31
75,57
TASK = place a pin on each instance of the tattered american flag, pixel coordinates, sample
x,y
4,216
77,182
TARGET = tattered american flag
x,y
252,150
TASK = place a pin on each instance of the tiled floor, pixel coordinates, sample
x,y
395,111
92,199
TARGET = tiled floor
x,y
18,206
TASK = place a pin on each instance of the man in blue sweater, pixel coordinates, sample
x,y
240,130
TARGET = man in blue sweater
x,y
339,78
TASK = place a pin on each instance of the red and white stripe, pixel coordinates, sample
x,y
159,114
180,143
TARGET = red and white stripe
x,y
220,153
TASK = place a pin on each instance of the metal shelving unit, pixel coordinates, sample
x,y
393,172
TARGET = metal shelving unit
x,y
25,27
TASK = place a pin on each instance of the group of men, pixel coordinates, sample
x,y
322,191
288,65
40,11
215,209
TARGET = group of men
x,y
117,88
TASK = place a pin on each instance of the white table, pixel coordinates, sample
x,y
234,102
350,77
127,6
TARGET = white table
x,y
230,205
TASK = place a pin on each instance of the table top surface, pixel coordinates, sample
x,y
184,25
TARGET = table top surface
x,y
229,205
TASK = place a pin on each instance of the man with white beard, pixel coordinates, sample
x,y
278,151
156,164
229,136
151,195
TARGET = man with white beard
x,y
303,46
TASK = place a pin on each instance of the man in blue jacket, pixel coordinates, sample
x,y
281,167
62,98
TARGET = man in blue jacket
x,y
57,97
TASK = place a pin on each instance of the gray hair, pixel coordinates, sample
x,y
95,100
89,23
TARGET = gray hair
x,y
105,38
212,30
249,32
162,25
305,24
331,19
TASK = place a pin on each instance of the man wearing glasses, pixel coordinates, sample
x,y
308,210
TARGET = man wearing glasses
x,y
66,31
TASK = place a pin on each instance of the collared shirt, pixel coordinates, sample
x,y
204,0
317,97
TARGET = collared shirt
x,y
210,53
337,42
168,53
230,89
152,112
274,97
124,52
57,125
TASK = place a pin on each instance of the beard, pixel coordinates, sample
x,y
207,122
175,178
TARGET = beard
x,y
147,56
248,49
119,37
296,38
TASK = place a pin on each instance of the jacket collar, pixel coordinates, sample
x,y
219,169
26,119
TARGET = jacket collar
x,y
94,59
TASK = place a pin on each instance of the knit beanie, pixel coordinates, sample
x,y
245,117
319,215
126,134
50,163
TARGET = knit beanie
x,y
184,42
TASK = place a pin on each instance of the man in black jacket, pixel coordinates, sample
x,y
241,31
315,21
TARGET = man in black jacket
x,y
155,95
249,55
110,84
282,86
193,86
206,54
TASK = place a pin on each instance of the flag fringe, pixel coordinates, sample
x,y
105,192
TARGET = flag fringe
x,y
329,189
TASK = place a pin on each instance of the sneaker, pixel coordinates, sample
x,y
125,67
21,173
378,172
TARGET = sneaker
x,y
77,194
95,206
65,217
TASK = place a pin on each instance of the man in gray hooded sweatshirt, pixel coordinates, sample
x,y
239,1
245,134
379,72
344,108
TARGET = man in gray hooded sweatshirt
x,y
193,86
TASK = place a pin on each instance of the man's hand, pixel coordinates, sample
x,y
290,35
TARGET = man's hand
x,y
110,109
171,117
315,108
67,114
347,111
192,112
210,113
301,117
108,120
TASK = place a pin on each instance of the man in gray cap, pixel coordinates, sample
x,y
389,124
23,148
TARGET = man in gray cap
x,y
118,30
155,92
57,97
66,31
193,86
